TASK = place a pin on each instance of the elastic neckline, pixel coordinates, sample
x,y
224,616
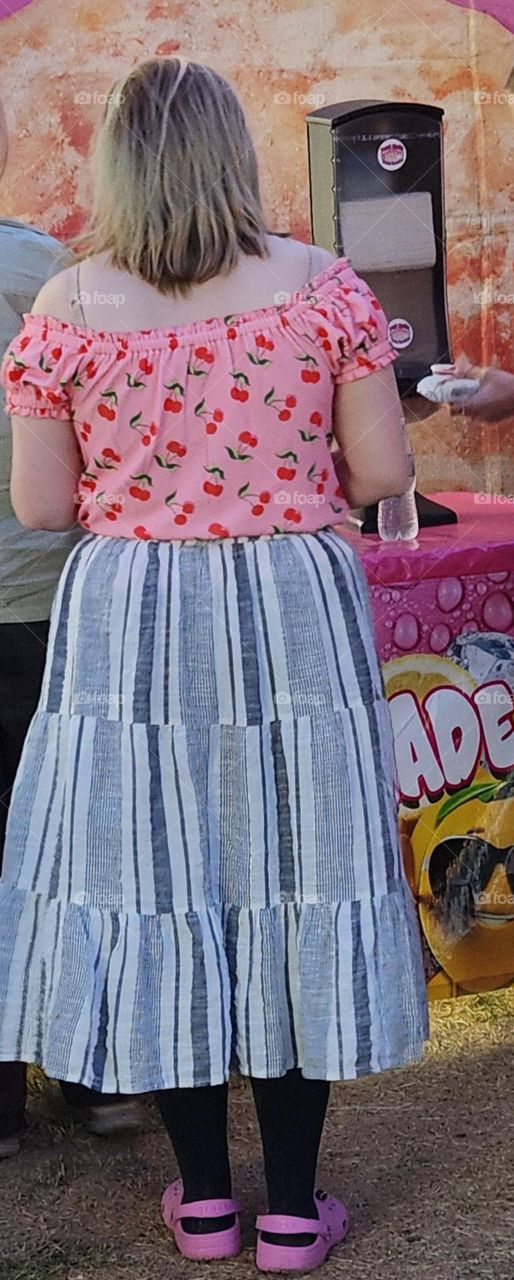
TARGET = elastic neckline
x,y
214,327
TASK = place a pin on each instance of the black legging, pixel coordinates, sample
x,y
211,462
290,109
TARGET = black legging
x,y
291,1113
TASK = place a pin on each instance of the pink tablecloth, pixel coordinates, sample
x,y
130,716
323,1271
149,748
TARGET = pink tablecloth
x,y
455,579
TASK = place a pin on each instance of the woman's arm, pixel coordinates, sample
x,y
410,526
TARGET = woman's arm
x,y
370,431
46,462
46,466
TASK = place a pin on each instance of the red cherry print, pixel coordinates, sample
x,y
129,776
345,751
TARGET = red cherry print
x,y
209,357
172,342
201,352
53,397
218,531
265,497
339,492
171,405
286,473
152,429
320,488
290,402
316,419
174,446
24,342
257,510
324,474
89,483
213,488
260,340
141,532
239,393
56,353
218,415
180,519
231,333
284,415
110,515
136,492
16,374
145,366
120,355
146,439
211,428
291,514
106,412
111,454
310,375
188,507
116,506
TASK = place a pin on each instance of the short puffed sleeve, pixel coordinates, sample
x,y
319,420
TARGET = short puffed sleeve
x,y
357,340
38,369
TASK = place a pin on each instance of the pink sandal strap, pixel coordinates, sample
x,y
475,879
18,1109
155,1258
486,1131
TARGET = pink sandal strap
x,y
206,1209
279,1224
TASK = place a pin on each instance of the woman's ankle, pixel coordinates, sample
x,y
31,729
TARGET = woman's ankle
x,y
221,1189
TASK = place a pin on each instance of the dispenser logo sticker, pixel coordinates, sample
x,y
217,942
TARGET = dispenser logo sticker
x,y
401,333
392,154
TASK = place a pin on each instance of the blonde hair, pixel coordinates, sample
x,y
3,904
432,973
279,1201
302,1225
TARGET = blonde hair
x,y
176,188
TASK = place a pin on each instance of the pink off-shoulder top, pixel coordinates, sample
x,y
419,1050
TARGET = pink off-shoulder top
x,y
219,428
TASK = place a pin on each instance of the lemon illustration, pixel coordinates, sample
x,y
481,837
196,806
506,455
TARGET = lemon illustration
x,y
422,672
463,862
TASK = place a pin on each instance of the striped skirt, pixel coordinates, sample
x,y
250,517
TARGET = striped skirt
x,y
202,867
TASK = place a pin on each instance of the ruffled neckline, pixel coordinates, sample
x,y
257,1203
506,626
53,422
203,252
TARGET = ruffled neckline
x,y
182,335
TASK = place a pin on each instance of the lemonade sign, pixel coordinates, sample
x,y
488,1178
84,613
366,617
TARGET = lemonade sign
x,y
453,723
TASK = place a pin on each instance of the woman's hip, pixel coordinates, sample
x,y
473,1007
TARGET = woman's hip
x,y
227,632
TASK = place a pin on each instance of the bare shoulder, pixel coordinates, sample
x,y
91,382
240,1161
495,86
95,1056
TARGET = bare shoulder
x,y
298,257
55,298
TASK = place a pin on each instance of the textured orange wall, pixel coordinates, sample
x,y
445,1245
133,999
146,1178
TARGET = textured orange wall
x,y
284,56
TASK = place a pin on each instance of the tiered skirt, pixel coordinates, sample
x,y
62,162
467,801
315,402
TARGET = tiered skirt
x,y
202,868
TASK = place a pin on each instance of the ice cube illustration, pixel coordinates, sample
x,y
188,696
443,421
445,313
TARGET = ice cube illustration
x,y
487,655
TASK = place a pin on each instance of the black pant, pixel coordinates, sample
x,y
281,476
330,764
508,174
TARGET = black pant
x,y
22,663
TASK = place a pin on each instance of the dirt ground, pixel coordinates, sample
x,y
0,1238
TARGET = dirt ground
x,y
424,1158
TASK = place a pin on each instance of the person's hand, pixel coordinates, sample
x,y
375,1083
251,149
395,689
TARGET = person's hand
x,y
494,399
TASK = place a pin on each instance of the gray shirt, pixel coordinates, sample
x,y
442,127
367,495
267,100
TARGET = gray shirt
x,y
30,561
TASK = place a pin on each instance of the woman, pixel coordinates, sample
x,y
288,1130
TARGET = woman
x,y
202,858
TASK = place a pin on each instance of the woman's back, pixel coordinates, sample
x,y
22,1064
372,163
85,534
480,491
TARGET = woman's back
x,y
116,300
191,426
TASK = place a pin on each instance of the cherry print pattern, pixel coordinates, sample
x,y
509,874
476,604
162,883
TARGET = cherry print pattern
x,y
236,412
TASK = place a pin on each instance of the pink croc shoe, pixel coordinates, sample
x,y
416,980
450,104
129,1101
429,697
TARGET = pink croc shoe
x,y
330,1229
212,1245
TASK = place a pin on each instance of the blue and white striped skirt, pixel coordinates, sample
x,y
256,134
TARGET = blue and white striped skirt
x,y
202,866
